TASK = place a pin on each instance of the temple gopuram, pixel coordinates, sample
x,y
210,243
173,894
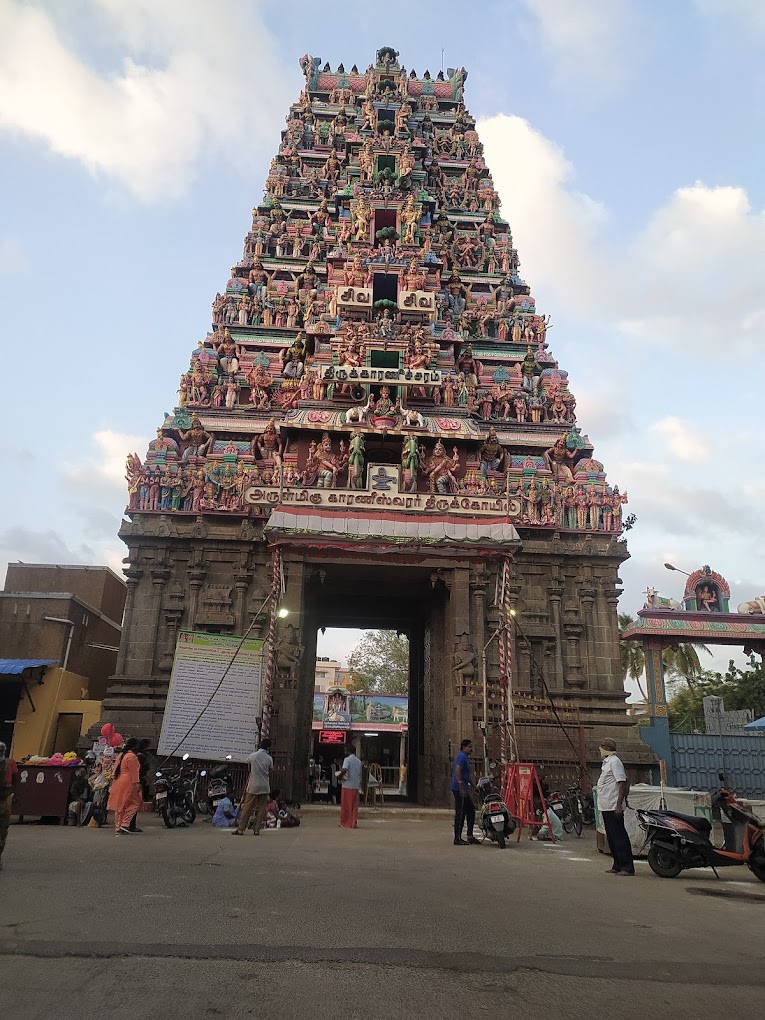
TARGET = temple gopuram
x,y
376,425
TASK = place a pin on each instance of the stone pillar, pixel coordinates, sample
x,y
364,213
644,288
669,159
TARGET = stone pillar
x,y
159,578
589,657
554,595
133,576
478,640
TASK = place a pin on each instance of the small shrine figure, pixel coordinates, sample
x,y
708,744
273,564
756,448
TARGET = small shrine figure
x,y
531,372
492,456
356,460
198,439
268,445
440,468
411,460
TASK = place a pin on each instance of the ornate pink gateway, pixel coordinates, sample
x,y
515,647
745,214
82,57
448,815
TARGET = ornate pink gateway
x,y
379,295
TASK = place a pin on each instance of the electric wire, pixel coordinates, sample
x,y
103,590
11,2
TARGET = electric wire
x,y
220,682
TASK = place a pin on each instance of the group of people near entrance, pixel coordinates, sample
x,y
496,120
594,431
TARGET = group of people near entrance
x,y
127,792
612,800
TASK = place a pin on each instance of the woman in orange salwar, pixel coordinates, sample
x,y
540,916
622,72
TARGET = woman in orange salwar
x,y
125,793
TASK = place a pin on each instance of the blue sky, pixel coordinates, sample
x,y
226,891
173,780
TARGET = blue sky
x,y
625,141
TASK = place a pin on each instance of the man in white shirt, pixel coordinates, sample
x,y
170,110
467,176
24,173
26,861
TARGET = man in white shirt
x,y
258,789
350,775
612,797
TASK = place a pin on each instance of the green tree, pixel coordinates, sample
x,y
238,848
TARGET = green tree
x,y
739,688
631,656
680,663
379,663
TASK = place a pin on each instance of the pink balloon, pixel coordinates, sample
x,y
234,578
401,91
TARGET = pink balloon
x,y
107,730
116,740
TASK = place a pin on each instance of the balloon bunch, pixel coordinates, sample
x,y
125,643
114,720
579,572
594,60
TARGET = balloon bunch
x,y
115,739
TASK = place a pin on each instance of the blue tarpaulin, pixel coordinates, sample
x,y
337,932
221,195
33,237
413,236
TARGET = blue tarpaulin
x,y
16,667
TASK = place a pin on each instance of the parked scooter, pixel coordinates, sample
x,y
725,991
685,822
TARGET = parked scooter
x,y
494,821
174,798
219,786
679,842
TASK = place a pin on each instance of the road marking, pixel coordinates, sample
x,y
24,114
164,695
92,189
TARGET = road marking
x,y
587,860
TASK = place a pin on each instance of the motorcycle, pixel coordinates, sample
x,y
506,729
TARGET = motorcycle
x,y
679,842
174,798
494,821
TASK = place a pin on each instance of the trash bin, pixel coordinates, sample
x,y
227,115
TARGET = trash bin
x,y
43,791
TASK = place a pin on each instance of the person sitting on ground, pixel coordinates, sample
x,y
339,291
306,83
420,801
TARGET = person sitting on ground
x,y
79,795
226,815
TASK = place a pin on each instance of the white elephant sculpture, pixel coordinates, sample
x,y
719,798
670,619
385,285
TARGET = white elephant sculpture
x,y
656,601
358,413
756,605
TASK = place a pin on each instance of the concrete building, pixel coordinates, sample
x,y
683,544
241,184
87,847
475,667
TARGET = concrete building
x,y
68,621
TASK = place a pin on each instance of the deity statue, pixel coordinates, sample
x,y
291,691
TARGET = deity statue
x,y
560,459
385,410
411,214
268,445
356,460
411,460
531,372
288,654
468,366
199,440
228,353
323,465
293,358
463,661
414,278
440,468
492,456
362,217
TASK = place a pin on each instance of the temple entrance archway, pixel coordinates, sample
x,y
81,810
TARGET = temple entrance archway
x,y
383,596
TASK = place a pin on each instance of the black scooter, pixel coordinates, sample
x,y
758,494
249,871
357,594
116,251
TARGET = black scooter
x,y
679,842
494,821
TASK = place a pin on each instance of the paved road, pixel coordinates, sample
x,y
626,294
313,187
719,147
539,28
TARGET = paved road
x,y
387,921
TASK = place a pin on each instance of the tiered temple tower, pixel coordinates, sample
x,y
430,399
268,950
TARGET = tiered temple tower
x,y
376,415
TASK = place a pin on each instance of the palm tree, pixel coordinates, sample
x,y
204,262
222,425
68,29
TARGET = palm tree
x,y
680,663
683,663
631,655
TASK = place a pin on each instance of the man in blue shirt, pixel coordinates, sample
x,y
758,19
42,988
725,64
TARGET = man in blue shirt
x,y
464,811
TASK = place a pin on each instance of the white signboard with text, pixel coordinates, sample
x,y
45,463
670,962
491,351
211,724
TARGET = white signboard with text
x,y
228,726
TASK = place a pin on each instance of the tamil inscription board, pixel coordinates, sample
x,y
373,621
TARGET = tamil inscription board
x,y
229,724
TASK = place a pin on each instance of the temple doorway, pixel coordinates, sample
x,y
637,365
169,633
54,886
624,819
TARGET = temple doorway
x,y
388,730
361,697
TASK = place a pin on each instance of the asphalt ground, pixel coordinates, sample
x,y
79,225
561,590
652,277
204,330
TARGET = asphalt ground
x,y
389,920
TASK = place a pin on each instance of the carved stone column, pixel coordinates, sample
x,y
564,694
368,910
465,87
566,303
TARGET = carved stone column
x,y
573,629
133,577
587,600
554,596
159,578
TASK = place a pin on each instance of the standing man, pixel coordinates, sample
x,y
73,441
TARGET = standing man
x,y
9,777
258,789
464,810
612,798
349,797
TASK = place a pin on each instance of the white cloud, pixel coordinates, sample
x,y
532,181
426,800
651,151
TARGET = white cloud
x,y
104,472
587,40
681,438
691,278
195,79
555,228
